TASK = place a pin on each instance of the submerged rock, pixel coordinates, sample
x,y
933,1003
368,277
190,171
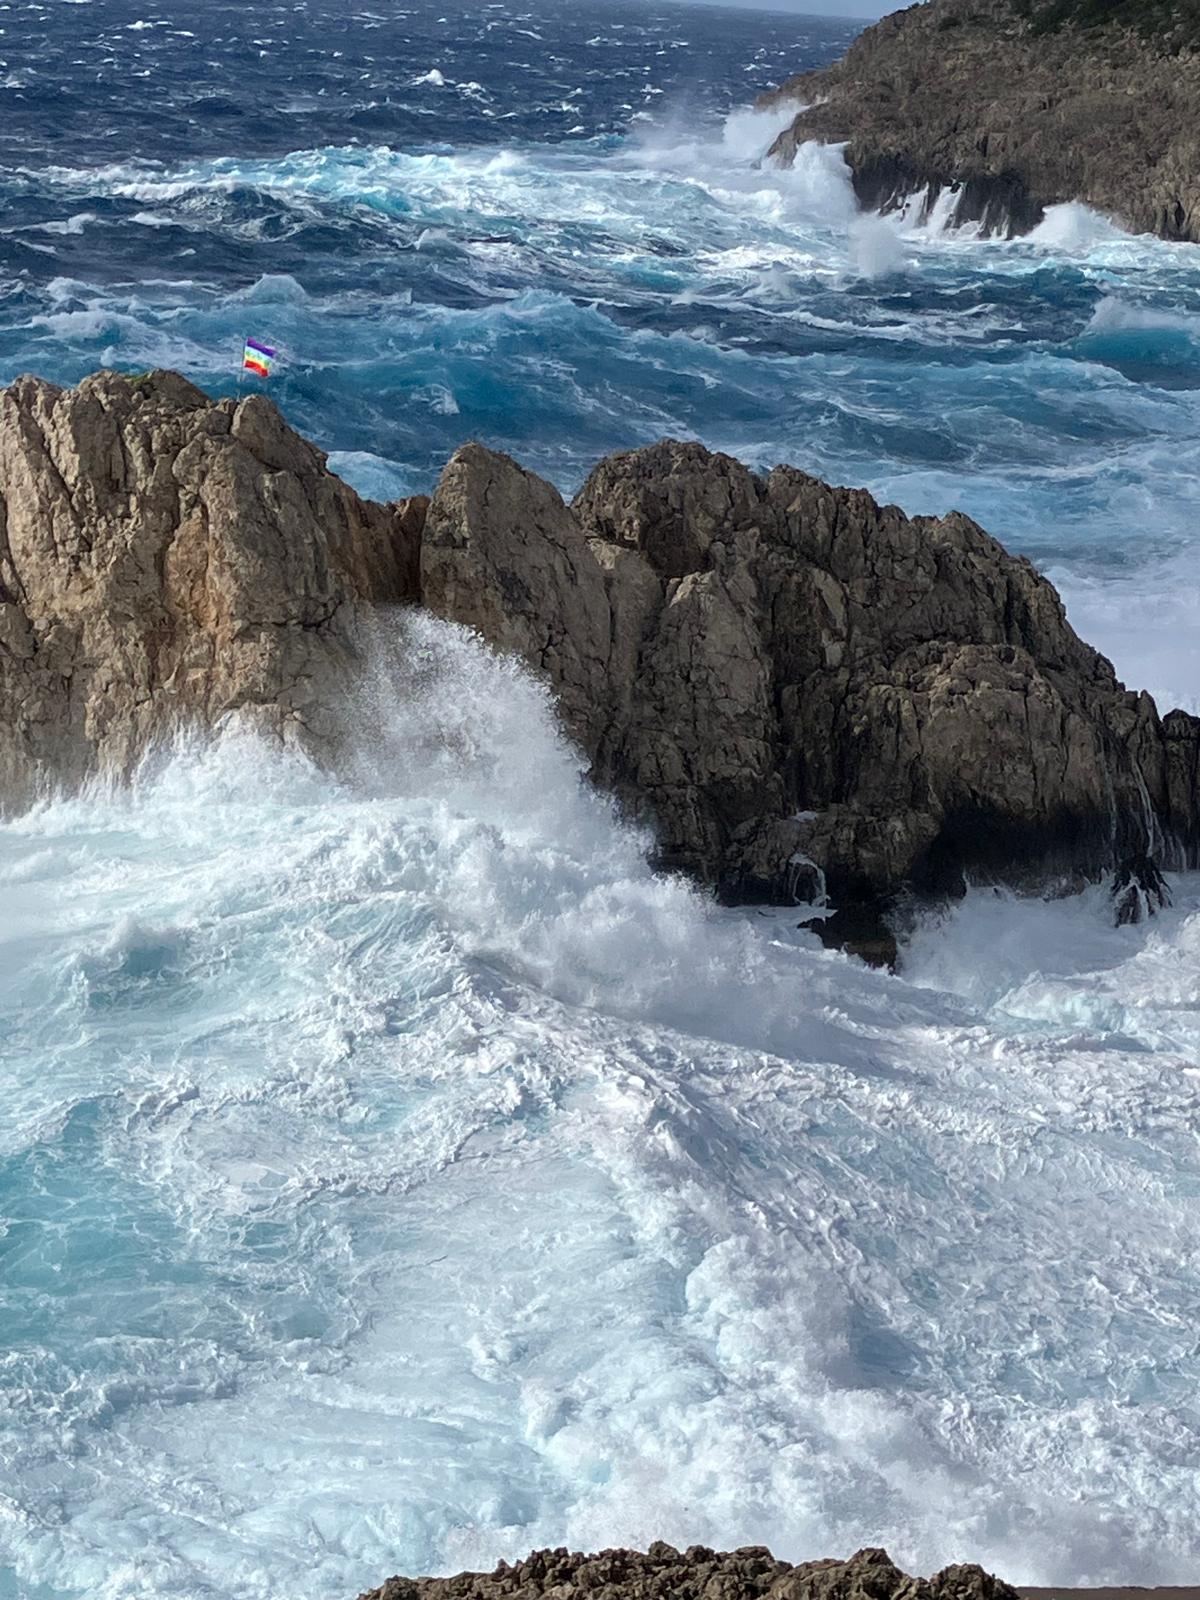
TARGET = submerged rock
x,y
1013,106
697,1573
803,692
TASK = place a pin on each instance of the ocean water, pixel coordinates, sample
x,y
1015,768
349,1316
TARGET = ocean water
x,y
395,1174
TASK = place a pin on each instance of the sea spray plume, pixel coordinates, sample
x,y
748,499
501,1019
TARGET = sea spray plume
x,y
814,190
877,248
388,1239
538,875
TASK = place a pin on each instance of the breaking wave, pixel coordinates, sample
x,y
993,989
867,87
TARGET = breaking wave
x,y
399,1174
562,300
395,1173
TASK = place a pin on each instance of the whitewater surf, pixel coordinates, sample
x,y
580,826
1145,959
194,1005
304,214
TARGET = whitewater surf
x,y
395,1172
400,1174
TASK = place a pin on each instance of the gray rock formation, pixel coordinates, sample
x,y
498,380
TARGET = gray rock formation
x,y
697,1573
978,96
799,689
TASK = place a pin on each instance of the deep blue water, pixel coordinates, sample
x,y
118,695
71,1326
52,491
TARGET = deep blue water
x,y
549,227
398,1180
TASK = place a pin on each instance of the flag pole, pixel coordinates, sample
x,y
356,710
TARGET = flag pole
x,y
241,368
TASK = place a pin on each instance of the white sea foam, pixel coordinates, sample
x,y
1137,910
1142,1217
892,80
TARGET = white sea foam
x,y
72,226
441,1182
748,134
372,475
1114,314
878,249
1144,621
1075,227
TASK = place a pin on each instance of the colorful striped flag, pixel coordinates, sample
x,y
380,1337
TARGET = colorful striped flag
x,y
257,358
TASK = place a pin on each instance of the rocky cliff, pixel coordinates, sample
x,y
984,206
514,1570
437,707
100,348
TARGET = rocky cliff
x,y
1016,105
797,687
164,560
664,1573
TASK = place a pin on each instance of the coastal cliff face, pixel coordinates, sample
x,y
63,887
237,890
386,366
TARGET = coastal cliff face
x,y
664,1573
1014,108
795,686
163,561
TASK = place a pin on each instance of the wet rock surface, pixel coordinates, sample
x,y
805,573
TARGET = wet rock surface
x,y
801,691
663,1573
974,97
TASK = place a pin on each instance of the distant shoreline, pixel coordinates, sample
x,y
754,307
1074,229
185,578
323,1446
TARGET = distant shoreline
x,y
1003,109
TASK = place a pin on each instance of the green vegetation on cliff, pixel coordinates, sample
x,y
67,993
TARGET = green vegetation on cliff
x,y
1175,22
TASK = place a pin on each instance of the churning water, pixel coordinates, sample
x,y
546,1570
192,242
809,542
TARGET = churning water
x,y
397,1174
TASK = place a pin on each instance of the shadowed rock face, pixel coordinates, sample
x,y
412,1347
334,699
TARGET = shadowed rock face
x,y
785,676
790,682
698,1574
969,95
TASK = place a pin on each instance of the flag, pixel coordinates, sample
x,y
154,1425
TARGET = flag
x,y
258,358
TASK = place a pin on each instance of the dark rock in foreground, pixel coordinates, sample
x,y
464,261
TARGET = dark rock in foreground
x,y
797,687
982,97
664,1573
792,680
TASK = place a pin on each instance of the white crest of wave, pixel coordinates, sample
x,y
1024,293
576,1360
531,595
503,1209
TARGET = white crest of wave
x,y
814,191
1073,227
749,133
877,246
1115,314
447,1183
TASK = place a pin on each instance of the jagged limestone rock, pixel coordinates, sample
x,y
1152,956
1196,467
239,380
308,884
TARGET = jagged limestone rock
x,y
163,561
698,1573
795,686
823,680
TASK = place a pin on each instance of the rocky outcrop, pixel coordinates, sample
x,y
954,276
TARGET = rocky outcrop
x,y
697,1573
796,684
982,98
165,560
800,690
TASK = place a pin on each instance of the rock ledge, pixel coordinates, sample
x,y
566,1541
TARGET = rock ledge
x,y
697,1573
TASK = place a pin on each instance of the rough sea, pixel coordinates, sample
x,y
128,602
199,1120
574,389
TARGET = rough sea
x,y
397,1176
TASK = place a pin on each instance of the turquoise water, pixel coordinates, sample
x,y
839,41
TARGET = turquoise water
x,y
398,1175
552,229
401,1176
